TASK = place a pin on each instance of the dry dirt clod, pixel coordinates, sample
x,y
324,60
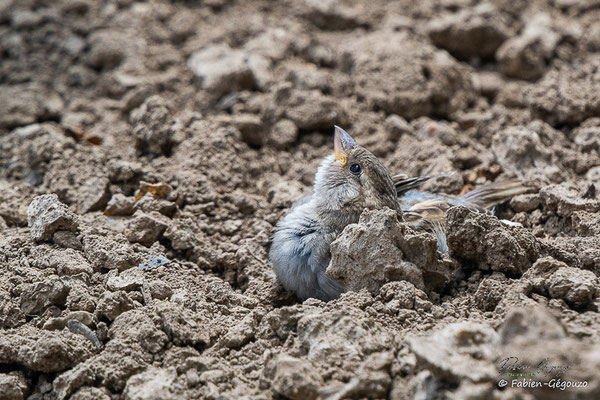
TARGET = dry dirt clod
x,y
39,296
153,127
489,243
120,205
145,228
221,69
46,214
471,32
525,56
293,378
457,352
360,261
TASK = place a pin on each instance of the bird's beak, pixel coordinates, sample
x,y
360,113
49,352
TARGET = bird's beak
x,y
342,144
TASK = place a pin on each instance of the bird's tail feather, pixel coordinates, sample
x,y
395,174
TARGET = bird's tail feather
x,y
495,193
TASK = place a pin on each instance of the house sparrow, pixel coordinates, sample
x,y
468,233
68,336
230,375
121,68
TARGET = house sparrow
x,y
347,182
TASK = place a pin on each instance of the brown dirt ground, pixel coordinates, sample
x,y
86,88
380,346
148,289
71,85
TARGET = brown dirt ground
x,y
164,291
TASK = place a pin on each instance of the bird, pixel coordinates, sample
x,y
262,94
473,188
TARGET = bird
x,y
346,183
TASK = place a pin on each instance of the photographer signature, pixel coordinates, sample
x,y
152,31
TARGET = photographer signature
x,y
543,368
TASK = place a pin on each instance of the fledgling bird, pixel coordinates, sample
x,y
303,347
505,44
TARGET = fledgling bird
x,y
346,183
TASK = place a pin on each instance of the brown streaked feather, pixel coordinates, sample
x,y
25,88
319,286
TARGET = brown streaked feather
x,y
495,193
433,212
403,183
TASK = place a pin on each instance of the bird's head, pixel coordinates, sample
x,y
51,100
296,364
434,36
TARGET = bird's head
x,y
354,178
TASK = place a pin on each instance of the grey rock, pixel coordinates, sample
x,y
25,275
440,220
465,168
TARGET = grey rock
x,y
313,110
120,205
396,126
525,56
46,214
145,228
154,127
13,386
152,383
490,244
575,286
93,195
565,199
107,49
109,253
113,304
43,351
472,32
459,351
67,239
531,324
221,69
250,126
130,279
26,104
294,378
525,202
358,260
520,150
332,15
567,94
283,134
41,295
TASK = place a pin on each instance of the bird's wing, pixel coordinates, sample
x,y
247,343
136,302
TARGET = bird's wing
x,y
421,208
487,196
404,184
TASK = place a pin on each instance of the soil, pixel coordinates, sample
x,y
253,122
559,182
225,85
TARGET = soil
x,y
147,150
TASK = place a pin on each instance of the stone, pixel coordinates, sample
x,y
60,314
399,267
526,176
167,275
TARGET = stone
x,y
332,15
221,69
294,378
46,214
152,383
120,205
489,293
38,296
153,127
566,94
107,49
398,74
250,126
25,104
283,134
530,324
396,126
357,259
43,351
311,110
520,151
575,286
67,239
456,352
565,199
112,252
525,202
526,55
13,386
471,32
113,304
131,279
490,244
145,228
93,195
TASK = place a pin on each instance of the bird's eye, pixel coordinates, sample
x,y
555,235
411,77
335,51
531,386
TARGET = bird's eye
x,y
355,169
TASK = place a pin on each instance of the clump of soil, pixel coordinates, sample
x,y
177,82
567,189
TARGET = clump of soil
x,y
147,150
